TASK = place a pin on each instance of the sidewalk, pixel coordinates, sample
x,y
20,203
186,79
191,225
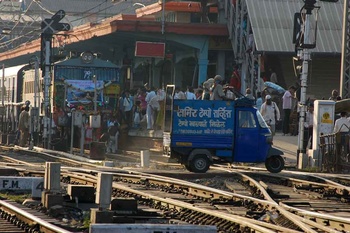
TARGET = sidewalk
x,y
289,145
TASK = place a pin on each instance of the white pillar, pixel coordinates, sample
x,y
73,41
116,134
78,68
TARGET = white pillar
x,y
52,181
104,190
145,158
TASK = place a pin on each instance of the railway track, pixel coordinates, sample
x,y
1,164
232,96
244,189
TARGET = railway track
x,y
17,218
233,200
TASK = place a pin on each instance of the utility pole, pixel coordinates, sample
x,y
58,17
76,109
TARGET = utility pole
x,y
34,112
302,38
49,27
47,84
2,98
163,16
303,85
95,94
345,55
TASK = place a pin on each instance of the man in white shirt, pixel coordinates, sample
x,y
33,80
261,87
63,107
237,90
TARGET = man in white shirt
x,y
179,94
128,104
341,129
190,94
270,112
287,108
308,127
342,125
149,110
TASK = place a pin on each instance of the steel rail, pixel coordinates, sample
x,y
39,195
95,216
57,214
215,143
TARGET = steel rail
x,y
197,193
21,162
256,225
328,185
340,189
292,217
341,222
91,163
334,184
30,217
196,190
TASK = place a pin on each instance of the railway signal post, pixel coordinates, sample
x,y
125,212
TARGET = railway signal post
x,y
34,111
303,37
49,27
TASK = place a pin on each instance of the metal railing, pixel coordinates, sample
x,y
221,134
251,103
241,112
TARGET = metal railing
x,y
334,150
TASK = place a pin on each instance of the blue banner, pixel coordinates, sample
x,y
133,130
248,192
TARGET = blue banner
x,y
203,117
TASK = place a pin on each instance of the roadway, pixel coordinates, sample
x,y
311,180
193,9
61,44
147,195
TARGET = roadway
x,y
289,145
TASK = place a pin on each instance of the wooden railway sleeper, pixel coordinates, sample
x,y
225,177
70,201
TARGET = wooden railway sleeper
x,y
225,226
209,221
185,214
196,218
203,220
23,225
283,221
236,228
12,218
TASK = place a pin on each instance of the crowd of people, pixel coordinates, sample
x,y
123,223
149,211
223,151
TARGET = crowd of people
x,y
143,108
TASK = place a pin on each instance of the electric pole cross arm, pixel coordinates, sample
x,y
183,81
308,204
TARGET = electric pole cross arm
x,y
52,25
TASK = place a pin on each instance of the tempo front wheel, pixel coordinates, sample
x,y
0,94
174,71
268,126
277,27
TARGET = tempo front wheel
x,y
274,164
199,164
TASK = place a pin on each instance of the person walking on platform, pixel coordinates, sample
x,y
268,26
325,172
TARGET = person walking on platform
x,y
127,109
308,127
112,144
149,112
23,126
270,112
287,108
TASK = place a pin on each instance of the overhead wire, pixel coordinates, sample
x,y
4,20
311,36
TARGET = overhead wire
x,y
6,43
99,11
14,27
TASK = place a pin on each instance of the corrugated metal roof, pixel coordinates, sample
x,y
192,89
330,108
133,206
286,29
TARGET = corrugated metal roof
x,y
272,25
